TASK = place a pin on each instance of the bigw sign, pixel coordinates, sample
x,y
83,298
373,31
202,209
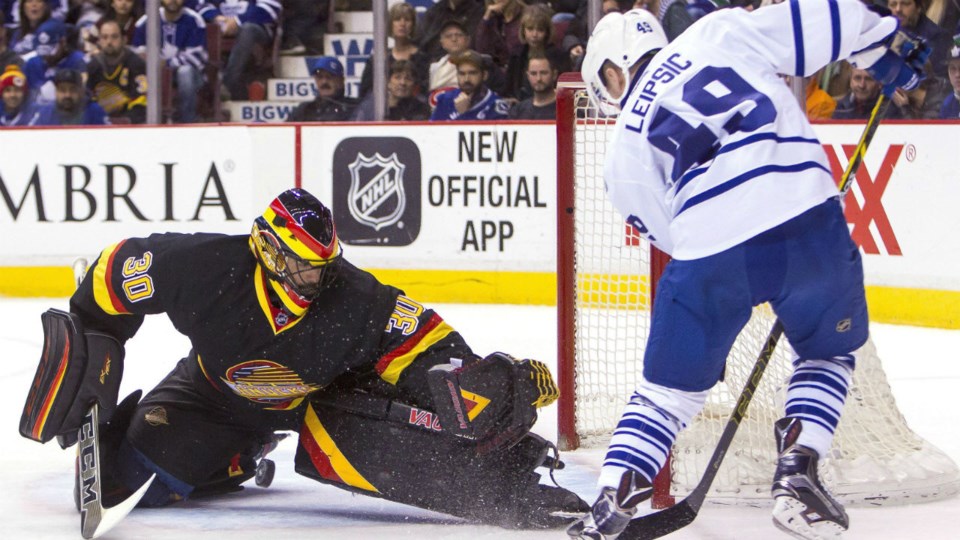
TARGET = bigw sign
x,y
862,213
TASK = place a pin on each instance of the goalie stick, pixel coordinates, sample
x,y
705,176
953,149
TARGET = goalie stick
x,y
684,512
96,519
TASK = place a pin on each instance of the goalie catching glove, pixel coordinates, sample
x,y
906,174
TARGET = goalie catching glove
x,y
493,400
76,369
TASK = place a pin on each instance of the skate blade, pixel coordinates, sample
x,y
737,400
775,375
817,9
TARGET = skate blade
x,y
788,517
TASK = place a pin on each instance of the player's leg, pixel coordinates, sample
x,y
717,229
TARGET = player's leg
x,y
193,446
823,310
357,445
700,308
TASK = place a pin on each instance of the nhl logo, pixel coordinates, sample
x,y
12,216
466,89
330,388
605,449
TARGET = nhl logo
x,y
376,196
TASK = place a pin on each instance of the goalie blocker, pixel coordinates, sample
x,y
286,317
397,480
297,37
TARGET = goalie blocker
x,y
76,369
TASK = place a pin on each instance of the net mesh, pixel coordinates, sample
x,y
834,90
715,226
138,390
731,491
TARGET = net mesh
x,y
875,458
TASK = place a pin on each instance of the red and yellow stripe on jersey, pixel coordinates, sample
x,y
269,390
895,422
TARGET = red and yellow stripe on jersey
x,y
327,457
271,312
51,396
103,291
392,364
297,239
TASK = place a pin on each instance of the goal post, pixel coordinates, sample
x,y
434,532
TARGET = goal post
x,y
606,279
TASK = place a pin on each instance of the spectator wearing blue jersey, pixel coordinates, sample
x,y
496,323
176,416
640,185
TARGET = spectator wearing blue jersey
x,y
248,21
31,14
16,109
473,100
951,105
55,51
72,107
183,47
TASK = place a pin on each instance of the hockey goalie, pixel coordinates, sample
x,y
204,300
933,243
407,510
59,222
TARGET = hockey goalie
x,y
287,335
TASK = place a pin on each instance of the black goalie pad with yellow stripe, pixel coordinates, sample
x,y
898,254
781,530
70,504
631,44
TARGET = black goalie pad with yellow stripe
x,y
75,370
381,448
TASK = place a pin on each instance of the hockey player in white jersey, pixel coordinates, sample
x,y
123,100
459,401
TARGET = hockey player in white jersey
x,y
714,162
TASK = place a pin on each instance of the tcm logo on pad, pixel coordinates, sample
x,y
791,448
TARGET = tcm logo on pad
x,y
376,190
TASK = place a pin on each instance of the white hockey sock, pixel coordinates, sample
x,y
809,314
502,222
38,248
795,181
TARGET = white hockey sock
x,y
646,431
815,395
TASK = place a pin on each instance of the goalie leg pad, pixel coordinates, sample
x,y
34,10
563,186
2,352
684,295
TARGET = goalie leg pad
x,y
372,454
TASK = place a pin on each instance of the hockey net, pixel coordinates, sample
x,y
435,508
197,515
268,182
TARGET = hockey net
x,y
606,278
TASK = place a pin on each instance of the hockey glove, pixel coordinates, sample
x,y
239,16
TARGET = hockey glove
x,y
493,401
903,70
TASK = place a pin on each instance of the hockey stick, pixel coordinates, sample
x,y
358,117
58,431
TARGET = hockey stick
x,y
684,512
96,519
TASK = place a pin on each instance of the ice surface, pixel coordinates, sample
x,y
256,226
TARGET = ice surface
x,y
923,366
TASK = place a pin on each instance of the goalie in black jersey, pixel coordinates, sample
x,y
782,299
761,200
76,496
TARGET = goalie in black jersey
x,y
287,335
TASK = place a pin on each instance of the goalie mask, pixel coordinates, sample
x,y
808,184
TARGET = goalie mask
x,y
296,244
622,39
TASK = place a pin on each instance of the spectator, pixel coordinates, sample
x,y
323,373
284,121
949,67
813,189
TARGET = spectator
x,y
183,48
402,104
249,22
473,100
454,39
924,101
16,109
498,32
536,35
402,28
117,77
7,56
71,108
32,13
55,51
83,15
859,102
951,105
913,21
330,105
819,104
304,22
468,12
542,77
126,13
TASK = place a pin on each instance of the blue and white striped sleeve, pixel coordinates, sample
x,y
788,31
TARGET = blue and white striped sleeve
x,y
208,10
263,12
823,31
194,47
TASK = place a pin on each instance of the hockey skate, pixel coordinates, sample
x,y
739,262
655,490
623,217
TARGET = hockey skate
x,y
803,507
613,510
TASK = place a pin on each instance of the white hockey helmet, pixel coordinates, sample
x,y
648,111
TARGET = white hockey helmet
x,y
622,39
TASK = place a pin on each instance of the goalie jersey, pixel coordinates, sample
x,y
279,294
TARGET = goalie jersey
x,y
251,349
711,147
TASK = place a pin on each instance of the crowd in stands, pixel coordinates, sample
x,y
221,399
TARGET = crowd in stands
x,y
82,61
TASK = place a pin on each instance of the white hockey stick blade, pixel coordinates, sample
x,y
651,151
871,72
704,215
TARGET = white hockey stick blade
x,y
96,519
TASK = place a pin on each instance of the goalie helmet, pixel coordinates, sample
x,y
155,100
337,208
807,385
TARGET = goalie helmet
x,y
621,39
296,244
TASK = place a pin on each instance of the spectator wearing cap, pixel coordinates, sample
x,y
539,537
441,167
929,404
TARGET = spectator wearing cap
x,y
55,51
951,105
330,105
250,22
467,12
402,27
454,38
402,104
117,77
16,109
542,77
184,49
32,13
7,56
71,108
473,100
913,21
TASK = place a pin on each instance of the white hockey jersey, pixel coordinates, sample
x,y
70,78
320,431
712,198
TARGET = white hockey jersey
x,y
711,147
